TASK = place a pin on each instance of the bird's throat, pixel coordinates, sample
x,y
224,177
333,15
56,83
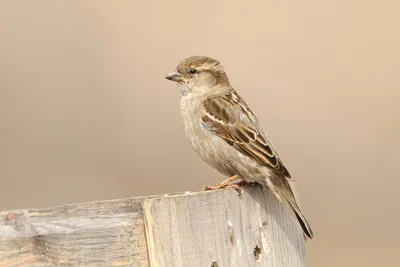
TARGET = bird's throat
x,y
183,89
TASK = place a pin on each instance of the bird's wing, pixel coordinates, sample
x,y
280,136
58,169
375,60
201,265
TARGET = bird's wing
x,y
229,117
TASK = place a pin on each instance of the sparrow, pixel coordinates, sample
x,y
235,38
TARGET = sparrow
x,y
226,134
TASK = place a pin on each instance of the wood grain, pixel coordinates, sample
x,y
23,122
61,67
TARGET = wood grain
x,y
105,233
214,228
223,228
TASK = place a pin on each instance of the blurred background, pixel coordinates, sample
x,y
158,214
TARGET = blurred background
x,y
86,113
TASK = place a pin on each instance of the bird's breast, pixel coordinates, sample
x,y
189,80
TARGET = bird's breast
x,y
191,116
212,149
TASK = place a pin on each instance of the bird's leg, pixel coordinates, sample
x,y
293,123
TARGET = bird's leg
x,y
227,181
225,184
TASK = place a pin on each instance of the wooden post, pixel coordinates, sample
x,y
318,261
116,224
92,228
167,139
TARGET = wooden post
x,y
201,229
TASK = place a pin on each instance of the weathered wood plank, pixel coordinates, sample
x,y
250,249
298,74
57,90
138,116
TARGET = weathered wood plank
x,y
222,229
105,233
217,228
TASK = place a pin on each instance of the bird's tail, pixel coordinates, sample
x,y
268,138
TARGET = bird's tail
x,y
283,191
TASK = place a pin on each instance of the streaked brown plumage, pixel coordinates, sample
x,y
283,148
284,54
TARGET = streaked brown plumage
x,y
226,134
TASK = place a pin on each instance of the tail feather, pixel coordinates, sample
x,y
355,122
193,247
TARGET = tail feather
x,y
303,222
283,191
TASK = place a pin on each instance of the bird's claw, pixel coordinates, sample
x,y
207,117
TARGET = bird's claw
x,y
236,186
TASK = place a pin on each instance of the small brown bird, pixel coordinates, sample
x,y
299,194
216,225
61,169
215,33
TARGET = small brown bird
x,y
226,134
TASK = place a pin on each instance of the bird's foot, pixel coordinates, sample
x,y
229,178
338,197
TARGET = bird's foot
x,y
223,184
216,187
227,184
237,186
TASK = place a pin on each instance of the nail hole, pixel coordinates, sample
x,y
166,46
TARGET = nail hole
x,y
214,264
257,252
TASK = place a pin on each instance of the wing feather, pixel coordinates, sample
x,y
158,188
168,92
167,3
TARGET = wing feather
x,y
229,117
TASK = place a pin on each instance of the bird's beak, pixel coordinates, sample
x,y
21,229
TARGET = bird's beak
x,y
175,76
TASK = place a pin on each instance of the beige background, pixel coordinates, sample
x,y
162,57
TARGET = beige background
x,y
86,113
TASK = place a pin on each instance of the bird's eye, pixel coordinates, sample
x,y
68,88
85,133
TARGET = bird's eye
x,y
192,71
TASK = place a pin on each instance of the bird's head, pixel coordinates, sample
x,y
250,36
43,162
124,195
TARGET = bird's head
x,y
199,75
